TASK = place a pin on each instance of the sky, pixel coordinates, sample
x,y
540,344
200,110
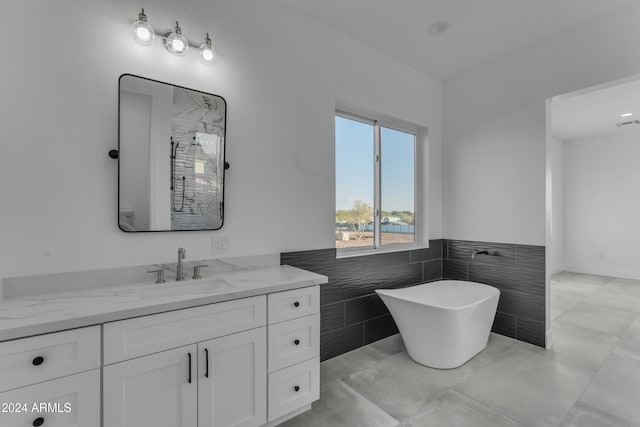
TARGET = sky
x,y
354,166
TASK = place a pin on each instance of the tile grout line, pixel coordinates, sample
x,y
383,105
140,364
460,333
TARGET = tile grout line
x,y
369,401
489,407
587,386
596,372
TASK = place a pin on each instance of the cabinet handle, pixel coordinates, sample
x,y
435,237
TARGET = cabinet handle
x,y
206,363
38,422
296,304
159,275
296,342
37,361
196,270
189,379
297,388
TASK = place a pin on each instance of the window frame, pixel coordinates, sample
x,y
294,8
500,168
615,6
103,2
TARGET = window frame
x,y
419,134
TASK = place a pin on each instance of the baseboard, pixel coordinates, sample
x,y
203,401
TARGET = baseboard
x,y
548,339
623,274
557,269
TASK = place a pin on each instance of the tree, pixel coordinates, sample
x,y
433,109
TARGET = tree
x,y
357,218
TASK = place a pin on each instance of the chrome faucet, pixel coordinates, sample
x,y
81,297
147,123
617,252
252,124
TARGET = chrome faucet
x,y
483,252
478,252
179,268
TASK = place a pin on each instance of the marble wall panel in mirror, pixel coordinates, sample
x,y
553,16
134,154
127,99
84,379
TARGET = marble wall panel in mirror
x,y
171,157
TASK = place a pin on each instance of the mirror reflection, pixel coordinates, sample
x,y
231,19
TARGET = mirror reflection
x,y
171,157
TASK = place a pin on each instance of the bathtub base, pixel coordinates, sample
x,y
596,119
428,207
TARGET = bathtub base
x,y
443,324
450,361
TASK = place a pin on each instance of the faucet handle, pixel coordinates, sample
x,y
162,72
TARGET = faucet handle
x,y
159,275
196,270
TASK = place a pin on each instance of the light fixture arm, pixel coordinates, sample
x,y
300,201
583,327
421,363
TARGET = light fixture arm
x,y
164,37
141,16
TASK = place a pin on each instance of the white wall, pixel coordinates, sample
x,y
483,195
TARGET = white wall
x,y
555,206
494,161
602,205
281,76
494,131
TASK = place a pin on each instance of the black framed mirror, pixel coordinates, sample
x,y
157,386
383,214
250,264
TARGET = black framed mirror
x,y
171,163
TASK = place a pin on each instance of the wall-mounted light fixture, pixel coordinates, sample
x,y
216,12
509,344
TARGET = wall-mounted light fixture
x,y
174,41
143,32
208,55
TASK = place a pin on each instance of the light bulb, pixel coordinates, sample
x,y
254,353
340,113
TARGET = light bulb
x,y
143,32
176,43
208,55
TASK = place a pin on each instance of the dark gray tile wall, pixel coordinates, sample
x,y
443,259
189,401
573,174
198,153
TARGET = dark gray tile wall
x,y
351,314
518,271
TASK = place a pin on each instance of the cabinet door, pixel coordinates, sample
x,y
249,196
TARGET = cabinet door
x,y
292,304
41,358
159,390
72,401
293,341
294,387
129,338
232,380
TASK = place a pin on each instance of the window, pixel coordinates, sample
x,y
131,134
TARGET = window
x,y
375,185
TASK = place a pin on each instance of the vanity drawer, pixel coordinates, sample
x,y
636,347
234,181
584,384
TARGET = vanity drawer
x,y
126,339
44,357
292,304
72,401
293,387
293,342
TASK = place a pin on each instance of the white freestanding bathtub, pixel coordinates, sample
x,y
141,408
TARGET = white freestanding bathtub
x,y
443,324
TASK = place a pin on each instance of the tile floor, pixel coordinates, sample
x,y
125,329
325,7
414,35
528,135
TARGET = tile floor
x,y
590,378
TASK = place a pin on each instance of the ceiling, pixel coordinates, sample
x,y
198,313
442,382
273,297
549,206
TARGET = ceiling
x,y
480,31
596,112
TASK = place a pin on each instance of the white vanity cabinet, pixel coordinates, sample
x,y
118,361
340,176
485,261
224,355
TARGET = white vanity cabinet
x,y
244,363
51,380
294,352
215,382
248,357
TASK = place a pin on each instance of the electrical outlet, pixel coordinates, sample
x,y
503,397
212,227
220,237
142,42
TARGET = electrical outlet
x,y
220,245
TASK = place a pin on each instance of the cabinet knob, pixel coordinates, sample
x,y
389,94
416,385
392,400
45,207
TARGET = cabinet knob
x,y
38,422
37,361
296,304
296,388
296,342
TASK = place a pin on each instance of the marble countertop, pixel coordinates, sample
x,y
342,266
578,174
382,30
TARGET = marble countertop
x,y
45,313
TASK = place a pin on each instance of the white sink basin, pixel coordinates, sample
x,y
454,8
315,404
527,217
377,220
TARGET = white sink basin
x,y
184,288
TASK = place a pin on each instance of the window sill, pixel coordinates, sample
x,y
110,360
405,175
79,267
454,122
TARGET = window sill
x,y
355,252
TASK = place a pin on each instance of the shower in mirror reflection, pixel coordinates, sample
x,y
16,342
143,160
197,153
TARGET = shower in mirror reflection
x,y
181,191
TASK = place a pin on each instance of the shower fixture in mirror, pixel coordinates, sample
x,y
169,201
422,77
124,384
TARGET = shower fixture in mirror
x,y
171,163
